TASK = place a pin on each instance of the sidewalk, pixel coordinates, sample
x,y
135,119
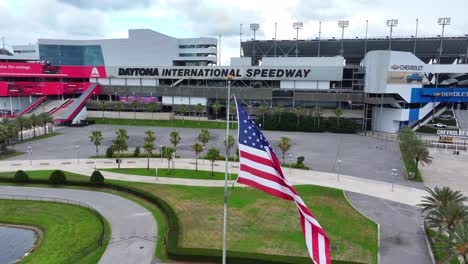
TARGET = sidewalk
x,y
401,194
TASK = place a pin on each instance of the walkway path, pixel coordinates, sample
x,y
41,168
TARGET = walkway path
x,y
401,194
134,229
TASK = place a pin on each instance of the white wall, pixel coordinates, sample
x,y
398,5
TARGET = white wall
x,y
388,120
304,85
181,100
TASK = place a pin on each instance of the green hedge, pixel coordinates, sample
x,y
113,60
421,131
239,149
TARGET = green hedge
x,y
309,124
175,252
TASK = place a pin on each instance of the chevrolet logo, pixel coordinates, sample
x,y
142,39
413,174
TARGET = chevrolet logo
x,y
395,67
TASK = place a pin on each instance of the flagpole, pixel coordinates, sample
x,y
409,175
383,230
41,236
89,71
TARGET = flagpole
x,y
229,78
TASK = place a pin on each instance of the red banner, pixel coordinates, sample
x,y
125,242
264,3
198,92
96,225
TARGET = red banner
x,y
43,88
43,70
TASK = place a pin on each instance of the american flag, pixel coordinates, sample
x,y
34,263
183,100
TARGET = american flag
x,y
261,169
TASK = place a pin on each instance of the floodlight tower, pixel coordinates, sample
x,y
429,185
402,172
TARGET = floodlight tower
x,y
442,21
342,24
391,23
297,26
254,27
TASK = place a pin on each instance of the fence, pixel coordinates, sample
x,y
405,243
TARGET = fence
x,y
79,254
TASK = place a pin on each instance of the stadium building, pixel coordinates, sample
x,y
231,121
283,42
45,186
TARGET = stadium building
x,y
380,89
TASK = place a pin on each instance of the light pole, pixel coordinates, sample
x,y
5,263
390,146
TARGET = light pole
x,y
338,167
365,41
203,151
394,173
173,160
254,27
415,36
77,150
161,152
297,26
319,37
30,155
290,158
156,170
391,23
342,24
442,21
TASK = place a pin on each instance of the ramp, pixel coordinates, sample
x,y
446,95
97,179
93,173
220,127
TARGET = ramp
x,y
68,113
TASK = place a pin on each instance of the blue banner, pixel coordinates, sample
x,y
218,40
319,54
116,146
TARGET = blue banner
x,y
426,95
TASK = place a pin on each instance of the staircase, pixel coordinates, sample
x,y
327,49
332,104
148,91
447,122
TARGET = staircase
x,y
67,113
33,105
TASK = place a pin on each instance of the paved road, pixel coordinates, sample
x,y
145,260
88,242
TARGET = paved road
x,y
402,239
361,156
134,229
462,119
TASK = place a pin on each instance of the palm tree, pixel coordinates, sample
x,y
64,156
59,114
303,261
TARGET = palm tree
x,y
148,145
279,110
318,114
118,107
421,154
96,139
338,114
232,111
263,110
182,110
229,144
134,104
299,114
175,139
10,130
35,122
119,144
440,197
284,145
199,109
204,136
197,148
22,123
152,107
102,106
212,155
3,138
168,153
447,217
455,245
45,119
216,107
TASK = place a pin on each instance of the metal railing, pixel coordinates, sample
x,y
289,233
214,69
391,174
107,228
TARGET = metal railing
x,y
82,252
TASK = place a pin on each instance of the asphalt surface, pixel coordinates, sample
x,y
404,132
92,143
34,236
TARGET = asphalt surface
x,y
134,230
361,156
402,239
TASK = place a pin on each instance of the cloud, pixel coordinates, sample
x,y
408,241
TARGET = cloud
x,y
105,5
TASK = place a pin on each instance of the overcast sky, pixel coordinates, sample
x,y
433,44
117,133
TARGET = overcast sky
x,y
24,21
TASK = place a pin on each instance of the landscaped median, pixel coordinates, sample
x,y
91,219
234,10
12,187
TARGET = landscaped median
x,y
173,173
261,228
161,123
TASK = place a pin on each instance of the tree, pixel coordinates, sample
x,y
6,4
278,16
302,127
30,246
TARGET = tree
x,y
299,114
35,122
204,136
96,139
182,110
134,104
148,145
212,155
197,148
318,114
119,144
168,153
9,130
455,245
284,145
229,144
279,110
96,178
199,108
216,107
263,110
440,197
175,139
232,112
421,154
102,106
22,123
447,217
338,114
45,119
118,107
153,106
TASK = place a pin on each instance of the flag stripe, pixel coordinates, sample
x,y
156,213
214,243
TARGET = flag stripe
x,y
268,190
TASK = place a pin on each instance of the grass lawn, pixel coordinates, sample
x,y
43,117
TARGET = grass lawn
x,y
175,173
448,122
10,154
48,135
162,123
410,167
429,129
67,228
260,223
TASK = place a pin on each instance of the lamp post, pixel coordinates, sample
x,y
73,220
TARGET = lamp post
x,y
338,167
391,23
319,37
203,151
394,173
365,41
415,36
161,152
173,160
30,155
77,150
290,158
297,26
442,21
156,171
254,27
342,24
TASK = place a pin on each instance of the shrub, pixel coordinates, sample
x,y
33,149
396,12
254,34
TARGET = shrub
x,y
57,177
96,178
21,177
300,160
136,152
109,152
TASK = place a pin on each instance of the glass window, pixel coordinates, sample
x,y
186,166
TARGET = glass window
x,y
90,55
